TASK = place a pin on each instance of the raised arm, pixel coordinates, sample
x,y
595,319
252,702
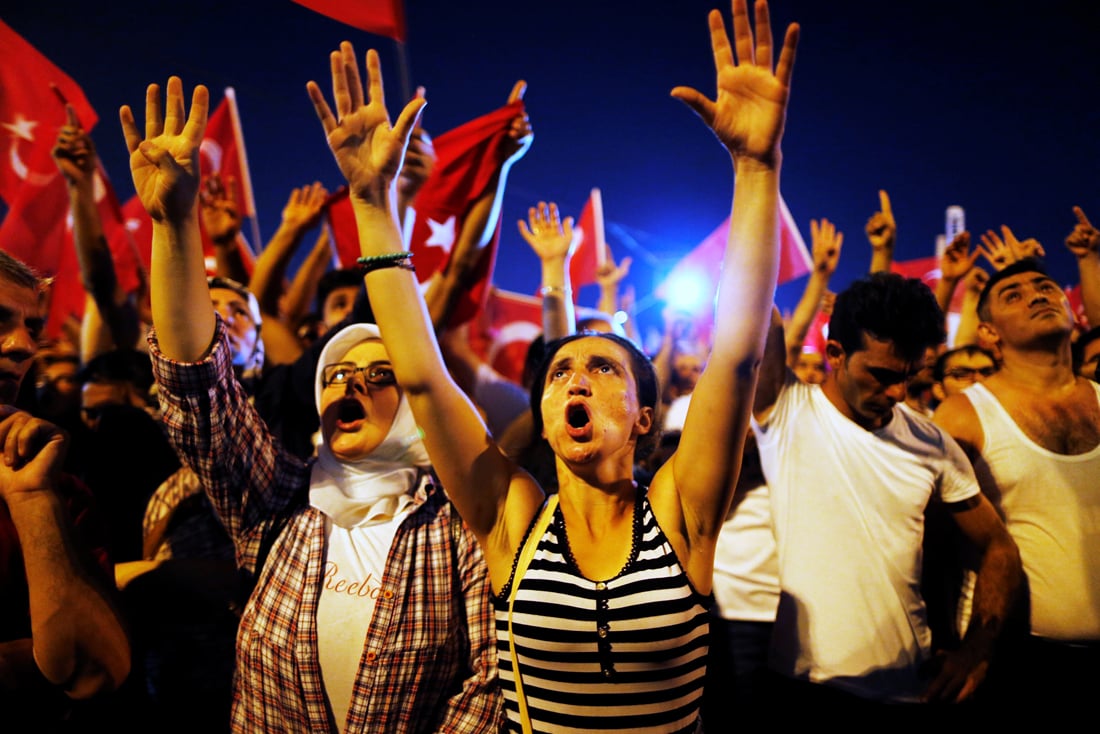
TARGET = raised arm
x,y
482,483
222,221
480,224
554,241
826,251
747,116
957,260
1084,243
608,276
110,315
165,167
302,212
78,640
882,233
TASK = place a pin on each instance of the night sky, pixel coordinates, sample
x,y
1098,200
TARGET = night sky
x,y
992,106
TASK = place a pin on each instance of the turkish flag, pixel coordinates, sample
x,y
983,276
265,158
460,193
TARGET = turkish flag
x,y
1073,295
591,253
384,17
31,113
140,227
701,268
222,152
467,159
345,233
506,327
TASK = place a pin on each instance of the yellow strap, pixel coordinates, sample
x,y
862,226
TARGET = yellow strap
x,y
525,556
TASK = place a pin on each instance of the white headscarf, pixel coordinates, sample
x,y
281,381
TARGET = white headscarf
x,y
379,485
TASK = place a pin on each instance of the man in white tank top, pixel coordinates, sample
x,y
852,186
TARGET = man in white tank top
x,y
1033,433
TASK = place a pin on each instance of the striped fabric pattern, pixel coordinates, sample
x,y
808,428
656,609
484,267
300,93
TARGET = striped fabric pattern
x,y
627,655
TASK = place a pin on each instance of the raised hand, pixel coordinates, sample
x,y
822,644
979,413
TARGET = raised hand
x,y
1002,251
1084,240
368,150
548,234
520,135
882,230
826,245
303,208
608,274
165,164
219,212
419,163
957,259
751,105
74,152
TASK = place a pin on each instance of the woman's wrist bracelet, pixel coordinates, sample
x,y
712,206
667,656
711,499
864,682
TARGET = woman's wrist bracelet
x,y
555,290
389,260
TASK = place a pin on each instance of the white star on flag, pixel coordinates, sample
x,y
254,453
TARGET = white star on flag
x,y
22,127
443,234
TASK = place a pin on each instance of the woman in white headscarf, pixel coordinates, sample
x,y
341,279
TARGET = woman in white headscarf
x,y
369,606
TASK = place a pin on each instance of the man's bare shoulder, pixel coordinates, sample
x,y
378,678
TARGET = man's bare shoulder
x,y
956,416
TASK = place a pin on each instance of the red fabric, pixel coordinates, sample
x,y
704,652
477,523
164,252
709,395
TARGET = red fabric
x,y
1073,294
384,17
703,265
31,113
591,251
467,159
222,152
140,227
507,325
341,220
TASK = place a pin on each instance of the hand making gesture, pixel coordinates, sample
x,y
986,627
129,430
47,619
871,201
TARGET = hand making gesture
x,y
826,245
549,235
1084,240
751,105
74,152
165,165
368,150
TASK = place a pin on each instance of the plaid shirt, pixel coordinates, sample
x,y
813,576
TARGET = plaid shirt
x,y
429,658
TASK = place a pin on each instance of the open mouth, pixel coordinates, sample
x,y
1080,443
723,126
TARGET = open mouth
x,y
349,414
578,420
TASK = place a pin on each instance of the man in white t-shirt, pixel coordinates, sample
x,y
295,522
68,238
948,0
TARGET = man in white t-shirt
x,y
1033,431
850,475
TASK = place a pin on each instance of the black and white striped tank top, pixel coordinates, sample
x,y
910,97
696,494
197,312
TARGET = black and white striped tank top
x,y
628,654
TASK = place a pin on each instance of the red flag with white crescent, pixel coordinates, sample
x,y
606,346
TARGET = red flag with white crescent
x,y
507,326
31,114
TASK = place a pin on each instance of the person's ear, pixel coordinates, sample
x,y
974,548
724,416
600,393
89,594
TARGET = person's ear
x,y
644,423
834,354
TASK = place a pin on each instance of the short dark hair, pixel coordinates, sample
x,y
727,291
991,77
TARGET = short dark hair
x,y
18,273
1026,265
940,366
333,279
888,307
645,379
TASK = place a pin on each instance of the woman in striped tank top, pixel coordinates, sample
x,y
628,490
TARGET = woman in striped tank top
x,y
606,630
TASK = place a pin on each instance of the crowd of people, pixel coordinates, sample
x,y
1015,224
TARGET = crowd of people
x,y
308,504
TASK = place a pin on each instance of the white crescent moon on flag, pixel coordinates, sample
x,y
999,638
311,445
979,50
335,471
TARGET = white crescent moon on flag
x,y
22,171
514,331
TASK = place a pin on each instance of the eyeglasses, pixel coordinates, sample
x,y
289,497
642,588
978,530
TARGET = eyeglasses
x,y
968,373
341,372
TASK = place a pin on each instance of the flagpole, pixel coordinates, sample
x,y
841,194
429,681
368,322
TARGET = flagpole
x,y
246,174
404,71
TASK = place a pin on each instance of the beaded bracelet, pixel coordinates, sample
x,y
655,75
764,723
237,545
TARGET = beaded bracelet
x,y
389,260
